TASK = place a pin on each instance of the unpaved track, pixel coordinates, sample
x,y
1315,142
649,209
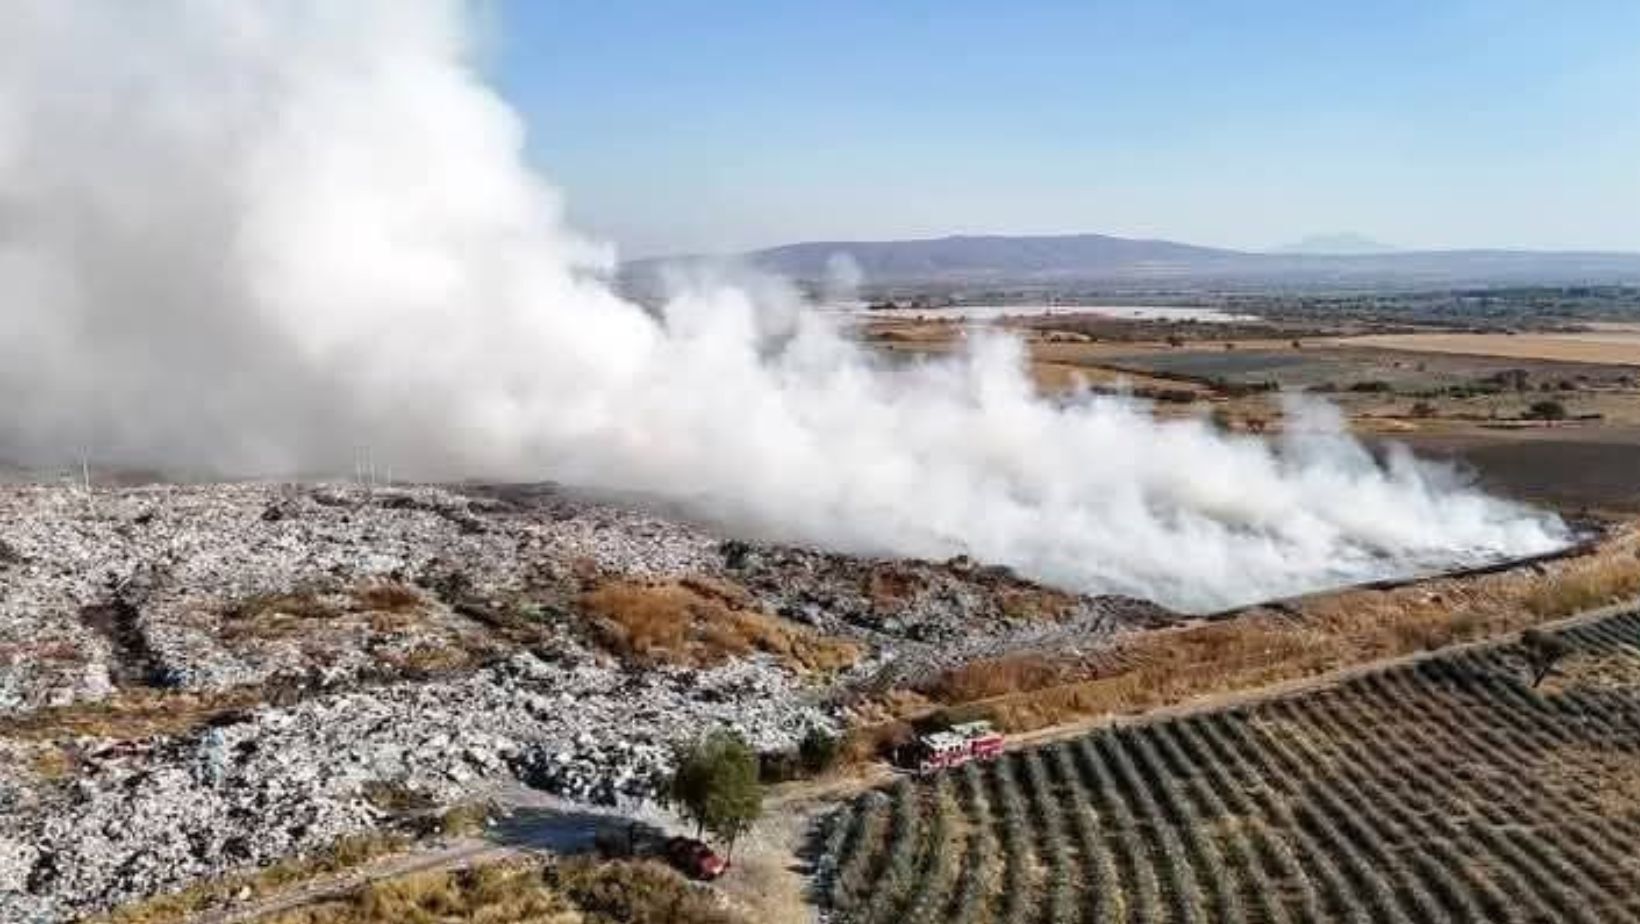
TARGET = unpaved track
x,y
788,807
464,853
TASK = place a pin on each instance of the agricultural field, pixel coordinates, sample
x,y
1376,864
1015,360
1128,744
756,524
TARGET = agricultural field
x,y
1618,344
1514,411
1445,789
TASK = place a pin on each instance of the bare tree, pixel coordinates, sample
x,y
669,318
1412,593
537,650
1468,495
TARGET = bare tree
x,y
1542,651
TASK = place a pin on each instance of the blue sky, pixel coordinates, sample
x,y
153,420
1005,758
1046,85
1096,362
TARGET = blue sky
x,y
721,125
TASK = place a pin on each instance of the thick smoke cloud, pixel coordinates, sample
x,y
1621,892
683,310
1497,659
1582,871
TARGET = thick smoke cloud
x,y
260,236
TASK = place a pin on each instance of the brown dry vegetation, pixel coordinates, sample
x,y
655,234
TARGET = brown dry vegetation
x,y
276,615
498,892
177,907
1036,604
391,606
395,797
1264,645
1595,584
889,585
135,713
1611,346
577,891
636,892
386,596
700,623
434,659
51,762
991,677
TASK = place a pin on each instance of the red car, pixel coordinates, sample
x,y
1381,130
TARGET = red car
x,y
695,859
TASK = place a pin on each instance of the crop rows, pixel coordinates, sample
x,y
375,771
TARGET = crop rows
x,y
1448,790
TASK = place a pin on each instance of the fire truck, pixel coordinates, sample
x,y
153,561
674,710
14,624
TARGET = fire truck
x,y
957,745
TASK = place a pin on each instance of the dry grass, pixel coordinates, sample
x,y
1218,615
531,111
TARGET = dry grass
x,y
493,893
278,615
1036,604
890,585
993,677
177,907
870,741
51,762
300,604
636,892
464,819
432,659
1610,346
395,798
701,623
1265,646
1597,583
576,891
391,607
135,713
386,596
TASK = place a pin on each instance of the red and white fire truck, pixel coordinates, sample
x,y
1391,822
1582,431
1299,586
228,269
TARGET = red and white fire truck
x,y
957,745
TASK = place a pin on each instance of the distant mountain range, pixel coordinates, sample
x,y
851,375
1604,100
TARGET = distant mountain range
x,y
1336,244
1098,258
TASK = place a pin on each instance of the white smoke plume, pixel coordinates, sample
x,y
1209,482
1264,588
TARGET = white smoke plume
x,y
261,235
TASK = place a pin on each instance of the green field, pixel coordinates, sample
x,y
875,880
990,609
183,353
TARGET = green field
x,y
1446,790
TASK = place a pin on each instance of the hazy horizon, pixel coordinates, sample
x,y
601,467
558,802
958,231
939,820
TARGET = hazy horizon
x,y
1451,125
1304,245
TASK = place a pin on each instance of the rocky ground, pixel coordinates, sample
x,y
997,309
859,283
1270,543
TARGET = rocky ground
x,y
200,678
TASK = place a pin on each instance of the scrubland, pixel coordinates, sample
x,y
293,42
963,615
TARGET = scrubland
x,y
1260,646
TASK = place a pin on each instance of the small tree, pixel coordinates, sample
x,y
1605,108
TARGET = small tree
x,y
716,786
1547,410
1542,651
818,751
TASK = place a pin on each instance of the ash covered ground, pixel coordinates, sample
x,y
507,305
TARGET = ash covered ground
x,y
195,679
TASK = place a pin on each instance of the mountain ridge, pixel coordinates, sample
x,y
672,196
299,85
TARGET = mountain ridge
x,y
1089,257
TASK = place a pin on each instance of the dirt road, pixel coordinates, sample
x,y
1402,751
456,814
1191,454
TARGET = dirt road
x,y
768,876
464,853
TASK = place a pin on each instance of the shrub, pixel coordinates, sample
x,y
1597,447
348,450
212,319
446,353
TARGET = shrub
x,y
277,615
856,860
1586,587
388,596
818,751
635,892
1546,410
871,742
177,907
395,797
716,785
464,819
1542,651
998,676
779,767
699,624
510,891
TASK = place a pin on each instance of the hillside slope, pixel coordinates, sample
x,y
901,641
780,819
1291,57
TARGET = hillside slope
x,y
1096,258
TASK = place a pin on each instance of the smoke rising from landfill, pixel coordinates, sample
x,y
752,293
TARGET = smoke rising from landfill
x,y
261,236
